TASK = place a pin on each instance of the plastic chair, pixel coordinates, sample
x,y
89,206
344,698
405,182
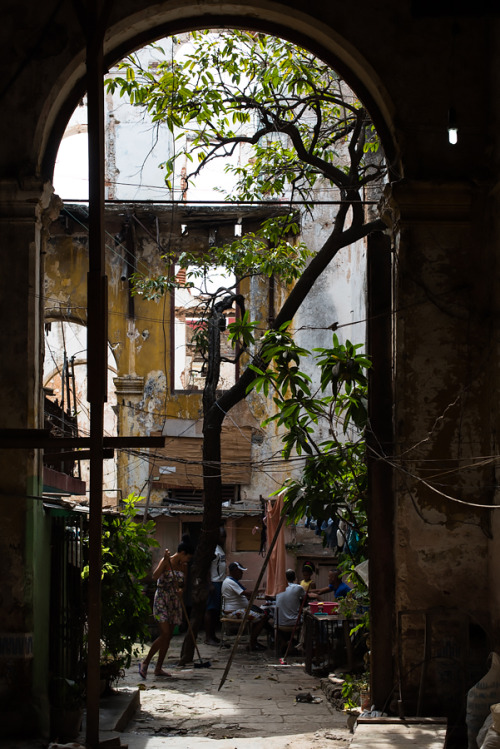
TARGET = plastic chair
x,y
230,626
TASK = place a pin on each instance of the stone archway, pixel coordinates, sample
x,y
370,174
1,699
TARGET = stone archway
x,y
341,55
445,293
383,673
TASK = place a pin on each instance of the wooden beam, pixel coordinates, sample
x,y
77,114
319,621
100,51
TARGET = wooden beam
x,y
97,12
31,439
74,455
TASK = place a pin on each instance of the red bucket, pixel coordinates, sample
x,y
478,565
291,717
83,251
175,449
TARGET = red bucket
x,y
330,607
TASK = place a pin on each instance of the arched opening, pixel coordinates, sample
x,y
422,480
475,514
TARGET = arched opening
x,y
65,385
388,613
145,24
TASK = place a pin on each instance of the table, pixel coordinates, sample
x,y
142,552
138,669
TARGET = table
x,y
327,642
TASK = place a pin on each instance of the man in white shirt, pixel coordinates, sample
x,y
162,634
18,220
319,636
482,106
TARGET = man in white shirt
x,y
217,575
288,603
235,598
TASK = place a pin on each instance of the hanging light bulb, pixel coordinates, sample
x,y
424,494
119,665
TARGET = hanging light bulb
x,y
452,126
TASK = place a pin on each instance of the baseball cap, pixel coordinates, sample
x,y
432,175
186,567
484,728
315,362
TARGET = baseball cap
x,y
236,566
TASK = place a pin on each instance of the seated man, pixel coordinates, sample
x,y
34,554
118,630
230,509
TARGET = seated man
x,y
234,596
288,606
335,586
288,603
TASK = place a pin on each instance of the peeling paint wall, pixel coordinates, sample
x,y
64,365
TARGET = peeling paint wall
x,y
445,428
140,332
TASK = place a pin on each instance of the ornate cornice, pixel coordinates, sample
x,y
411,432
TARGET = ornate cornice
x,y
129,385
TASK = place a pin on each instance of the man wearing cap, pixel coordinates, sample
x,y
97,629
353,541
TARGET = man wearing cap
x,y
234,597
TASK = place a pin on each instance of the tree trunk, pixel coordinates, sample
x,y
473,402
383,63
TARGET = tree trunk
x,y
212,484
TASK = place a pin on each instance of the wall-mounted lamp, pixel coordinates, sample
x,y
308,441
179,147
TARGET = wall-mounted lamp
x,y
452,126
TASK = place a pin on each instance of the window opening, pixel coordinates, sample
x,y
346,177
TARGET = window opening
x,y
190,326
246,537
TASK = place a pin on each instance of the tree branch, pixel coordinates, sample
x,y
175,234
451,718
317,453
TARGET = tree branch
x,y
334,244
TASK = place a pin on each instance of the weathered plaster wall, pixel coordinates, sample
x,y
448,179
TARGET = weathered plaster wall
x,y
140,336
445,407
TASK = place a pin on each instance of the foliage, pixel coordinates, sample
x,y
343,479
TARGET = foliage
x,y
333,483
352,688
272,251
334,479
126,560
299,129
292,110
66,693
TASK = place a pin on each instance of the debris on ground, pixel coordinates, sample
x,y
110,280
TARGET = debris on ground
x,y
307,697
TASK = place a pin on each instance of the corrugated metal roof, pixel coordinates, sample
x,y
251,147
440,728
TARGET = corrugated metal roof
x,y
172,509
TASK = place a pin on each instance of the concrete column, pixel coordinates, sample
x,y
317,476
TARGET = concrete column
x,y
129,410
443,367
25,211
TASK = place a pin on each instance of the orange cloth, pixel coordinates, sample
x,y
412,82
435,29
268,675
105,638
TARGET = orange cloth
x,y
276,568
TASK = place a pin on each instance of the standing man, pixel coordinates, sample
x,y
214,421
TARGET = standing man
x,y
217,575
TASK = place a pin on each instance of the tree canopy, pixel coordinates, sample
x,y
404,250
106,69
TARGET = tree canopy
x,y
306,137
298,119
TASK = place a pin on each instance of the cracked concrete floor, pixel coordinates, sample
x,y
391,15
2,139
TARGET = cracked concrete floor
x,y
256,706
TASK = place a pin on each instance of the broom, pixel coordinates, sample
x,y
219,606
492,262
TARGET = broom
x,y
202,663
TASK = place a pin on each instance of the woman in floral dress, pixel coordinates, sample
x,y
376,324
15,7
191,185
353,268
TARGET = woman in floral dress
x,y
167,609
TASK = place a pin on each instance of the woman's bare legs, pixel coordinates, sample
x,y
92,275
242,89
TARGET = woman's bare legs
x,y
166,632
160,646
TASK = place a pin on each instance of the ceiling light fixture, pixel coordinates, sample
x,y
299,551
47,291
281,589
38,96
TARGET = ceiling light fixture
x,y
452,126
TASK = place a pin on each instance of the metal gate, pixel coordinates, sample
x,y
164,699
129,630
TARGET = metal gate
x,y
67,604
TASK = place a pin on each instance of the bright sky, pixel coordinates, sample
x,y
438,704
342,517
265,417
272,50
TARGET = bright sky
x,y
71,169
137,152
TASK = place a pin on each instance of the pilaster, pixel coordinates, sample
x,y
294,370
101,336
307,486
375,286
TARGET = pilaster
x,y
25,213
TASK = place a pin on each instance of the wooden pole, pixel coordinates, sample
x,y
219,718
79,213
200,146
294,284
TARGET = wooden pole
x,y
251,600
94,18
